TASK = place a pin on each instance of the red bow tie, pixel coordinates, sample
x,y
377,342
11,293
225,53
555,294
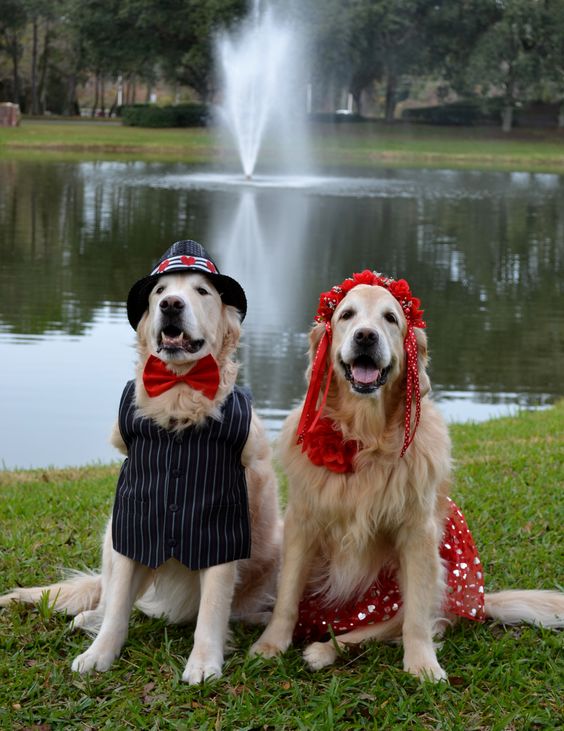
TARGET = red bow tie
x,y
203,376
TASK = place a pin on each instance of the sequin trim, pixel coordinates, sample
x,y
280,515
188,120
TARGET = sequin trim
x,y
464,594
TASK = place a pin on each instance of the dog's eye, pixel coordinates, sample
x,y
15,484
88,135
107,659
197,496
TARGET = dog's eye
x,y
202,290
346,315
390,317
159,290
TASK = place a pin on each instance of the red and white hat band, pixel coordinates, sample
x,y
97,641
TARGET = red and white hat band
x,y
185,262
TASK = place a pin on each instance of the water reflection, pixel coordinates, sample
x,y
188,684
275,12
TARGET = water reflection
x,y
483,250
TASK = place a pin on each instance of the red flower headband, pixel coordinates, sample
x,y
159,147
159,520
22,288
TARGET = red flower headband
x,y
328,302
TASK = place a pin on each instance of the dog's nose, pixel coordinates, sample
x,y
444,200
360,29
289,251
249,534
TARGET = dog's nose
x,y
171,304
365,336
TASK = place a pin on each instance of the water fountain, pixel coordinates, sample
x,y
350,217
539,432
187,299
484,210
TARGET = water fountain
x,y
263,96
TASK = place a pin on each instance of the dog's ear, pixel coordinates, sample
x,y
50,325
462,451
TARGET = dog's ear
x,y
232,328
142,330
422,360
315,335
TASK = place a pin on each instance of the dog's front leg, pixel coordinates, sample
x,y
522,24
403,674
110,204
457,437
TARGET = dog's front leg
x,y
277,637
216,593
125,581
422,588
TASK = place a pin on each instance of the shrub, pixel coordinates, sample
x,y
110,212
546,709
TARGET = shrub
x,y
466,112
150,115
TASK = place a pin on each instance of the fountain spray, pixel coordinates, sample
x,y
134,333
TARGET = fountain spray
x,y
258,64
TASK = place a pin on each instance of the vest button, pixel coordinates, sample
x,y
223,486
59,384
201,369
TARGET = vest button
x,y
172,543
176,472
178,438
173,508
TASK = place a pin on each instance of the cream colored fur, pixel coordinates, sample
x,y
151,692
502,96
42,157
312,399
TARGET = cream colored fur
x,y
102,602
340,529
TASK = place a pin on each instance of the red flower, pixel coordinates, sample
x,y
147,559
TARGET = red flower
x,y
365,277
329,301
400,289
325,447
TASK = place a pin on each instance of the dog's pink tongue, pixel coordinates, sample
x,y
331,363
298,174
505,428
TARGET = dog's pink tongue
x,y
365,374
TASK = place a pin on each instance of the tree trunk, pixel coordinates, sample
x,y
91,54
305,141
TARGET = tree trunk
x,y
43,65
71,95
102,94
391,87
118,99
561,115
95,103
34,44
509,102
507,118
14,53
357,101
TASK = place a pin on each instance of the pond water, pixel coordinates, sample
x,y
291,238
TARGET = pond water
x,y
484,251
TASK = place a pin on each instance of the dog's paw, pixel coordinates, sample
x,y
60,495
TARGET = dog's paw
x,y
319,655
92,660
430,672
420,659
263,648
198,669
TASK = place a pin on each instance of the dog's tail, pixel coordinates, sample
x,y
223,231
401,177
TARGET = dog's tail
x,y
81,591
544,608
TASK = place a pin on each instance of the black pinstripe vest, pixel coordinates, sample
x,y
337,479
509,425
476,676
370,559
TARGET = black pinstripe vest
x,y
183,495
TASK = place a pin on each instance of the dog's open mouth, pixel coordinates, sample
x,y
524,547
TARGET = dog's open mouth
x,y
364,376
173,339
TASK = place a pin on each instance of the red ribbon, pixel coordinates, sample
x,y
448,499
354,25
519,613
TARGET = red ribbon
x,y
310,412
412,387
203,376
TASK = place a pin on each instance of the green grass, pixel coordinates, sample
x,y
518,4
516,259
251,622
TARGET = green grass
x,y
365,145
508,482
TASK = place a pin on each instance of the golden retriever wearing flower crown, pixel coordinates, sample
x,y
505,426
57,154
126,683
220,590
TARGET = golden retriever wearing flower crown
x,y
373,546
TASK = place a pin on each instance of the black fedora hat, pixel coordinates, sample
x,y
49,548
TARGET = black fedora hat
x,y
184,256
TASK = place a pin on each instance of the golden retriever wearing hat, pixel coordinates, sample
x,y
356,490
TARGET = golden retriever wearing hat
x,y
373,546
195,531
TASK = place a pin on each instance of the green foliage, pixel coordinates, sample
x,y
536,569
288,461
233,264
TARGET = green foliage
x,y
508,482
150,115
464,113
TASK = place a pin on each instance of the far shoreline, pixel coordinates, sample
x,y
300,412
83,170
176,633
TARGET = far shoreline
x,y
368,145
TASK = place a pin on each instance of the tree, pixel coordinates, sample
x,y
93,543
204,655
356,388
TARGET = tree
x,y
180,36
373,40
506,60
453,28
13,19
388,39
552,53
41,14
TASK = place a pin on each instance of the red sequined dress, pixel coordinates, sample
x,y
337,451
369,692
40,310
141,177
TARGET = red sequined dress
x,y
464,594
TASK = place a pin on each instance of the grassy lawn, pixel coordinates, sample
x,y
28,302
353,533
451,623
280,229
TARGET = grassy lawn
x,y
365,145
508,482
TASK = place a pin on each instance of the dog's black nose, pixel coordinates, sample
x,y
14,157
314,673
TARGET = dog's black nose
x,y
171,304
365,336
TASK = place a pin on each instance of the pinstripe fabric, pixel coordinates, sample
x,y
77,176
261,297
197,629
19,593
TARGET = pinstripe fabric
x,y
183,495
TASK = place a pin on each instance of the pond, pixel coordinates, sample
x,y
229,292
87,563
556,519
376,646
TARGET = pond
x,y
483,250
